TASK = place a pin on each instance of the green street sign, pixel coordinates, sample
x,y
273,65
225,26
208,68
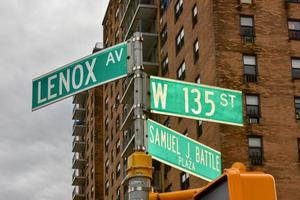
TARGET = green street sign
x,y
181,152
83,74
201,102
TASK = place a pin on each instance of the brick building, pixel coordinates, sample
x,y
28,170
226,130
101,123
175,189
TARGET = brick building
x,y
247,45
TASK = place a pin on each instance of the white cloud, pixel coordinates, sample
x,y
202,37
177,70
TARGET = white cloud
x,y
36,37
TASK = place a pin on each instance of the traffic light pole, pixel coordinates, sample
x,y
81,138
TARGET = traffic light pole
x,y
139,171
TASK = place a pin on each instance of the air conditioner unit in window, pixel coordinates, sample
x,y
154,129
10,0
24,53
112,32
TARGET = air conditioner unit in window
x,y
298,115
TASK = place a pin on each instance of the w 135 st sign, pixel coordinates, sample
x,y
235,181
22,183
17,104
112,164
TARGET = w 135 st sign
x,y
83,74
196,101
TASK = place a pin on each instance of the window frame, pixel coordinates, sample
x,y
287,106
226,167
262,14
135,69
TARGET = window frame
x,y
194,17
294,68
181,76
180,36
178,13
247,32
297,114
250,77
253,116
196,51
165,65
164,35
294,34
259,160
184,184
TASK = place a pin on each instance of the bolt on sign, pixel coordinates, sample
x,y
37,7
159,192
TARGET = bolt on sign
x,y
83,74
181,152
195,101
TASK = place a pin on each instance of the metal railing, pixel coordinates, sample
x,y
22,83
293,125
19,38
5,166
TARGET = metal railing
x,y
77,191
77,156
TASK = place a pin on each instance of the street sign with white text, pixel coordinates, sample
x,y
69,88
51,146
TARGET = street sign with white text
x,y
83,74
181,152
195,101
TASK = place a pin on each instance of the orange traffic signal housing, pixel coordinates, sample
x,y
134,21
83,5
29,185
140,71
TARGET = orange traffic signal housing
x,y
234,184
237,184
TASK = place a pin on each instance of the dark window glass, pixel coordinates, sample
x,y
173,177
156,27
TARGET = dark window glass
x,y
179,40
164,35
250,73
298,140
168,188
247,29
184,181
255,150
252,108
293,1
196,51
181,71
294,29
297,107
178,9
163,6
195,15
199,128
167,122
296,68
165,65
166,170
118,169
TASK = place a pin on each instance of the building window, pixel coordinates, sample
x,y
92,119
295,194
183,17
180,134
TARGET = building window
x,y
294,30
106,102
247,28
106,165
194,15
164,35
117,13
178,9
118,194
297,107
118,169
112,178
246,1
112,155
296,68
167,122
165,65
184,181
117,36
199,128
255,150
118,146
181,71
168,188
252,108
106,144
179,40
196,51
167,168
298,141
117,123
117,101
250,73
163,6
106,187
106,123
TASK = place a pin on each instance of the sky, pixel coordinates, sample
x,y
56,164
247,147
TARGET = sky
x,y
35,147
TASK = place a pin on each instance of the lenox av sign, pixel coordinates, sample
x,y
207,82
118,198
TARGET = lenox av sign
x,y
91,71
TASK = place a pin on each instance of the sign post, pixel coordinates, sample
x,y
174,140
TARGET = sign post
x,y
83,74
183,153
201,102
